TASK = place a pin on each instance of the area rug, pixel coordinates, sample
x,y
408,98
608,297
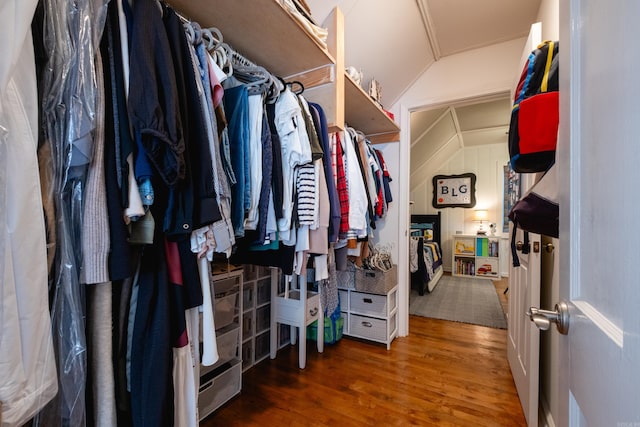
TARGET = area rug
x,y
461,299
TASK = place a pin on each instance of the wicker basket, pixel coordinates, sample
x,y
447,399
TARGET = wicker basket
x,y
346,278
376,281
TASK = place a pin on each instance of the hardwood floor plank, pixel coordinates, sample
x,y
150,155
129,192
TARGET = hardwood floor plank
x,y
442,374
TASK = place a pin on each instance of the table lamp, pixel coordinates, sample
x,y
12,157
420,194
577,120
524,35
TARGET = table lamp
x,y
480,215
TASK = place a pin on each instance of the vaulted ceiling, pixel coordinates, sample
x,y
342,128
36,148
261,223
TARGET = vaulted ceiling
x,y
396,41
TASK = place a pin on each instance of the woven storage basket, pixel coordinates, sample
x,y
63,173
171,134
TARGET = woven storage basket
x,y
376,281
346,278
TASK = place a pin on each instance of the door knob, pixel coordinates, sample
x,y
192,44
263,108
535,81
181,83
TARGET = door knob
x,y
544,318
519,245
549,247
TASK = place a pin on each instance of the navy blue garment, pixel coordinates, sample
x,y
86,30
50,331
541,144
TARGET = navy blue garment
x,y
236,108
124,144
197,153
120,256
151,347
386,178
153,104
265,191
178,221
277,184
190,275
334,200
282,257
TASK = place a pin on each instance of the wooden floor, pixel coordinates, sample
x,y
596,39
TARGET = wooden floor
x,y
442,374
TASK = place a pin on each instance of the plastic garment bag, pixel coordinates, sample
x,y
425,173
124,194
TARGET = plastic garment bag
x,y
72,31
27,369
3,203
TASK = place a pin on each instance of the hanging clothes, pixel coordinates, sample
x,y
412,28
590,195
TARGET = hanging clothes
x,y
295,151
28,379
320,121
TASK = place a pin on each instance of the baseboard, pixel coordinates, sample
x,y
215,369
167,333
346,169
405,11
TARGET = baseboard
x,y
545,418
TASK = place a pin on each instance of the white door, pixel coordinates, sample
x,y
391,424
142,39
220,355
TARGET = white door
x,y
599,175
523,338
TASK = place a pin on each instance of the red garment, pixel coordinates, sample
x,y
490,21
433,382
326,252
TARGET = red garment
x,y
174,269
341,184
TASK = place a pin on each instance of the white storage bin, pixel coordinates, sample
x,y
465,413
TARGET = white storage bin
x,y
225,309
263,319
215,392
247,354
247,297
228,343
343,296
247,324
224,286
264,291
227,340
262,346
250,272
370,304
368,327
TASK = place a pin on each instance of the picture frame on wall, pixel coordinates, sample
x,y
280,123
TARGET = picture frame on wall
x,y
454,191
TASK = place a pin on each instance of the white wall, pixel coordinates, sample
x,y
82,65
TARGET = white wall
x,y
477,74
486,162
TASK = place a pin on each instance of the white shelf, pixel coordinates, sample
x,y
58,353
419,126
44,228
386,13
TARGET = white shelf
x,y
267,34
475,256
363,114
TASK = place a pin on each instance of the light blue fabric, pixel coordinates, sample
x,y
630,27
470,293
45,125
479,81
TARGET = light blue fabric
x,y
237,108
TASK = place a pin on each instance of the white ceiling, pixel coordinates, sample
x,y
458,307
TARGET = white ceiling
x,y
396,41
476,124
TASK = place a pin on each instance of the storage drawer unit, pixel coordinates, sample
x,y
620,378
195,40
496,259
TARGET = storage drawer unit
x,y
256,318
228,342
370,316
217,387
263,319
370,304
223,380
368,327
262,346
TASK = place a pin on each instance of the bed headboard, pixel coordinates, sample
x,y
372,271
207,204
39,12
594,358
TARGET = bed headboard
x,y
433,219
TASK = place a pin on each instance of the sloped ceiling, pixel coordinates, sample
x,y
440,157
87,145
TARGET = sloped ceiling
x,y
460,25
396,41
471,125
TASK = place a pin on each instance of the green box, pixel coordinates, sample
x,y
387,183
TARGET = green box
x,y
329,327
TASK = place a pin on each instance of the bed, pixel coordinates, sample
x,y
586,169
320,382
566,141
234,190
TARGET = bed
x,y
425,252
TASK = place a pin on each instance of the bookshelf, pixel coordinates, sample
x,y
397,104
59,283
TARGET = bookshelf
x,y
476,256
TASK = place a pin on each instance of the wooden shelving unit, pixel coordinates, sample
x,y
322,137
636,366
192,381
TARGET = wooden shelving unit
x,y
363,114
267,34
262,31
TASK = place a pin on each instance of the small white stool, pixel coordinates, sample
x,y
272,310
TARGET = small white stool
x,y
290,309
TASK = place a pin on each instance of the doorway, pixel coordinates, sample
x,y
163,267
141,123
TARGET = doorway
x,y
461,137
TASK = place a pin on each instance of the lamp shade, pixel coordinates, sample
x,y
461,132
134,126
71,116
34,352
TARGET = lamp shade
x,y
480,215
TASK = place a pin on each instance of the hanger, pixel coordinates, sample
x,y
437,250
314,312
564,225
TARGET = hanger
x,y
300,90
275,89
212,38
256,78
